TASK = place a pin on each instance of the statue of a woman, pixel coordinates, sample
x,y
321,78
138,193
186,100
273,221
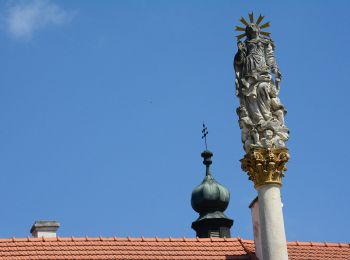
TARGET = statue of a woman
x,y
257,82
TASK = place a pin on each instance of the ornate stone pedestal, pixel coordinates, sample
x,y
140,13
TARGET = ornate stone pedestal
x,y
265,168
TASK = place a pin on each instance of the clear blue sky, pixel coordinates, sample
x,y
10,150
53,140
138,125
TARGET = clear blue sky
x,y
102,102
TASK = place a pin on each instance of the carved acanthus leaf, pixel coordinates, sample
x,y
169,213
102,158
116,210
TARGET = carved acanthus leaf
x,y
265,166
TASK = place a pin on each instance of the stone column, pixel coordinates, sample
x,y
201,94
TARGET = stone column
x,y
265,168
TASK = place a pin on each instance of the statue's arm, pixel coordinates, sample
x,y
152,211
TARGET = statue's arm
x,y
238,62
240,55
270,56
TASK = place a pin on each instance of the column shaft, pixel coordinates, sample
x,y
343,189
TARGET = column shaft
x,y
273,239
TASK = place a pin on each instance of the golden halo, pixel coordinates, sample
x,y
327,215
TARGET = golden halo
x,y
257,23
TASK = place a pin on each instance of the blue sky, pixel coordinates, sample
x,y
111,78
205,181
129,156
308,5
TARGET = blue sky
x,y
102,102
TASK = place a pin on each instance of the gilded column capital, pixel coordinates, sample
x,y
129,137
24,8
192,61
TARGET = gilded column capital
x,y
265,165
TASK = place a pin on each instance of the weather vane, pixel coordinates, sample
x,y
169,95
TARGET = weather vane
x,y
204,136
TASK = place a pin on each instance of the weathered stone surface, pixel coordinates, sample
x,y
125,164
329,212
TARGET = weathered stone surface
x,y
261,113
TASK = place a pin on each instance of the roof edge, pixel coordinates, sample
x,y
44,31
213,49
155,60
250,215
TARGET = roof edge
x,y
137,239
167,239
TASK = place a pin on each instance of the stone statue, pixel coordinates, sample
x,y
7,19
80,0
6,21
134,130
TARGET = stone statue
x,y
261,113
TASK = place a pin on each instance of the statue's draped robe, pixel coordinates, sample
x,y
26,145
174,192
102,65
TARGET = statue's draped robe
x,y
254,64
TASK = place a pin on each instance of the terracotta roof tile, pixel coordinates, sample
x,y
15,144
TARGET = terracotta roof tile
x,y
121,248
311,250
157,248
318,251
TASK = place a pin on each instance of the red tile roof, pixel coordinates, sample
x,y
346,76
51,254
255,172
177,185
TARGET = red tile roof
x,y
310,250
157,248
317,251
122,248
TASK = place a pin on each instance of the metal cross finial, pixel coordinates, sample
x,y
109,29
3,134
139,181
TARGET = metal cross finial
x,y
204,136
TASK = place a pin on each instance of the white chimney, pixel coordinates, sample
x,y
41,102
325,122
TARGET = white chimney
x,y
44,228
254,207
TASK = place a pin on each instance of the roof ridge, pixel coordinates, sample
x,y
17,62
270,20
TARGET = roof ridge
x,y
318,244
114,238
168,239
249,252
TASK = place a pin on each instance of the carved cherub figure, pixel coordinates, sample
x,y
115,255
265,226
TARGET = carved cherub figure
x,y
271,140
277,108
253,140
245,123
267,141
250,136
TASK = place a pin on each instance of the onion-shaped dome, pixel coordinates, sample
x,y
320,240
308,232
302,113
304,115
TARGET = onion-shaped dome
x,y
210,199
210,196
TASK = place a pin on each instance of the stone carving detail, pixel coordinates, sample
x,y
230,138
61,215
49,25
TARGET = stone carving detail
x,y
261,113
265,166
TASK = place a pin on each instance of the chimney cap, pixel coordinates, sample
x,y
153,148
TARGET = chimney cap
x,y
44,228
253,202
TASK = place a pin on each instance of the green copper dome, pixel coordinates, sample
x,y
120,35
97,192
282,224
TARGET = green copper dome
x,y
210,199
210,196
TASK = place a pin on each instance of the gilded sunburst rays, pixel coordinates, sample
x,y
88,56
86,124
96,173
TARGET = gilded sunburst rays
x,y
251,21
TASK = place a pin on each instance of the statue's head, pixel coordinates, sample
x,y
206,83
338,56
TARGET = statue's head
x,y
252,31
253,28
268,134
